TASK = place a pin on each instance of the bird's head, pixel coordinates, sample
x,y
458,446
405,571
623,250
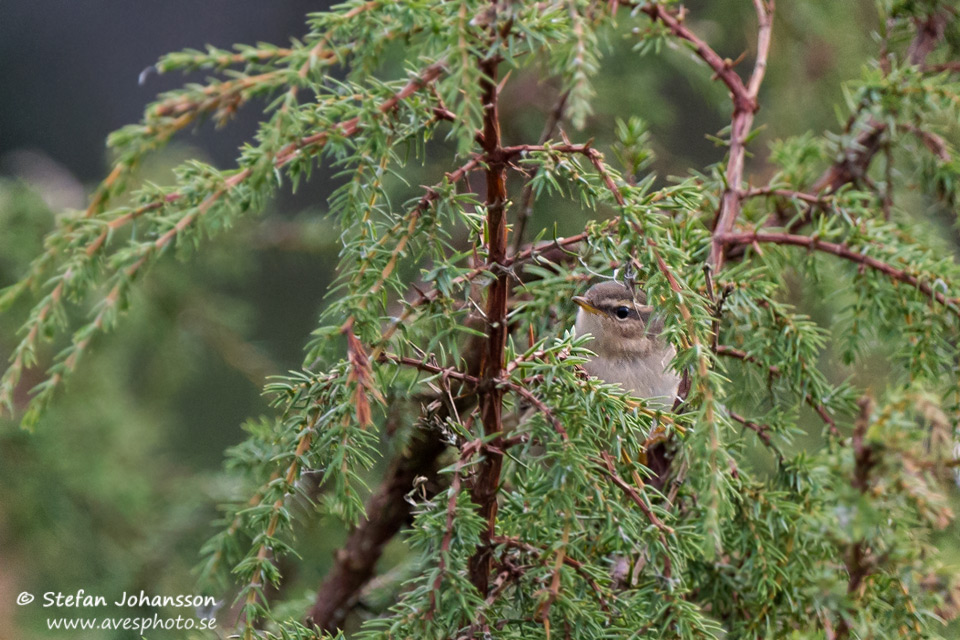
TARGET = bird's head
x,y
623,325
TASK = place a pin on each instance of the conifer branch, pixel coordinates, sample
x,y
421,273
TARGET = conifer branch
x,y
212,565
387,511
609,469
466,453
762,431
161,122
517,543
842,251
51,304
722,68
432,195
253,590
774,370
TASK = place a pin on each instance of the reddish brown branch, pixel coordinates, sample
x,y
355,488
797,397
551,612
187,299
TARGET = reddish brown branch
x,y
762,431
745,105
863,454
553,250
525,393
722,68
744,108
508,153
934,143
844,252
487,480
809,198
429,367
856,160
952,65
387,511
929,32
607,466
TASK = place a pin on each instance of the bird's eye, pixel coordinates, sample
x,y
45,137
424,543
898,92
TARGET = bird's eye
x,y
622,312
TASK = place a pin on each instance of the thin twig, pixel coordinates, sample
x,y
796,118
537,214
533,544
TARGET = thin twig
x,y
539,404
574,564
724,350
526,197
934,143
809,198
762,431
721,68
467,452
607,467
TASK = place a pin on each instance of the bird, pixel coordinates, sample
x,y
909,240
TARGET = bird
x,y
628,342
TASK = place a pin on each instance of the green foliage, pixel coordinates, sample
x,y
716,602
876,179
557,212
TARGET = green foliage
x,y
833,540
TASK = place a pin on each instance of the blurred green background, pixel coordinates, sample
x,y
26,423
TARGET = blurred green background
x,y
116,490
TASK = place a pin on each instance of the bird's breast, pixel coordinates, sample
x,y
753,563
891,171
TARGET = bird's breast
x,y
645,377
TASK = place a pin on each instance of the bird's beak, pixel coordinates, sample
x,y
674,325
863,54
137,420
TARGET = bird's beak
x,y
586,306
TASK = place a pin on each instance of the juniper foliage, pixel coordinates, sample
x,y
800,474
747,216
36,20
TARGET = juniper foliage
x,y
537,501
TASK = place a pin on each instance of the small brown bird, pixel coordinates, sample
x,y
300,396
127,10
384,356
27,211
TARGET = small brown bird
x,y
626,338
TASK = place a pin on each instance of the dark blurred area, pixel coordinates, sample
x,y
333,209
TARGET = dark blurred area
x,y
71,69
